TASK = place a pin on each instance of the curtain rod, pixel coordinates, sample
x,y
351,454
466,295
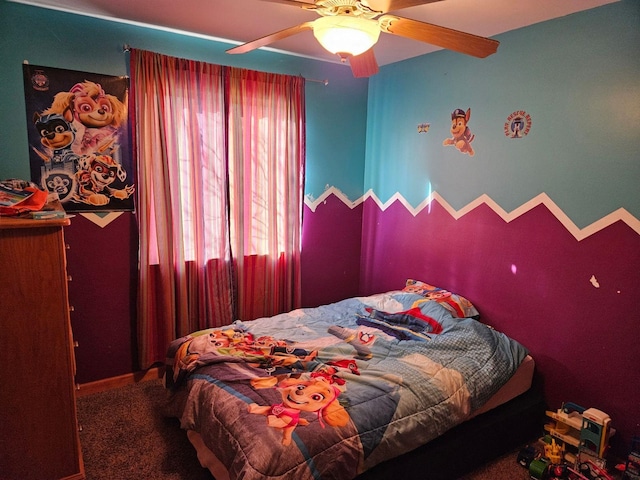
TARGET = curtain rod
x,y
127,48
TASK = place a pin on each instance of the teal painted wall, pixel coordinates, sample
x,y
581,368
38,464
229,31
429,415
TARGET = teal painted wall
x,y
103,292
336,113
576,76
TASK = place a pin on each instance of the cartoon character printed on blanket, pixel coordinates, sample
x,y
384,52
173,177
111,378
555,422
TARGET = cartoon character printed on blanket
x,y
316,395
303,383
352,384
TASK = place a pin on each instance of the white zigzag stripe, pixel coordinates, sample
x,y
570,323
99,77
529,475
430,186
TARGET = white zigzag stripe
x,y
543,198
102,219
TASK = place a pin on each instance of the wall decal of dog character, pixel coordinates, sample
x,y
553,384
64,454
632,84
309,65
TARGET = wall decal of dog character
x,y
300,394
95,175
461,134
97,116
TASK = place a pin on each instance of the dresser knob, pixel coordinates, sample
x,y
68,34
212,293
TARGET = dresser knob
x,y
71,308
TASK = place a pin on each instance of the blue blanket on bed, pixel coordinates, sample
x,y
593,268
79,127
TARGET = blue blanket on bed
x,y
331,391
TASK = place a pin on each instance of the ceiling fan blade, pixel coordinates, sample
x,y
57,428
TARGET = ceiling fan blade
x,y
295,3
364,65
441,36
385,6
269,39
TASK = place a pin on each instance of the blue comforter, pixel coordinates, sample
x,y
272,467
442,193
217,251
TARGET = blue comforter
x,y
329,392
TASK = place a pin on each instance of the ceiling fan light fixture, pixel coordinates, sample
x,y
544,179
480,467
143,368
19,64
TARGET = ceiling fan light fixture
x,y
346,34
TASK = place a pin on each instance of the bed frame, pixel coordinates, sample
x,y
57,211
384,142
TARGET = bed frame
x,y
472,443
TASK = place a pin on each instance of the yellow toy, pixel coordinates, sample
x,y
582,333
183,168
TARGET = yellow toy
x,y
554,452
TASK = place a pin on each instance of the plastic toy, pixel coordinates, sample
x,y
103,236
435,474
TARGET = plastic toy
x,y
570,407
538,468
632,466
576,475
527,455
582,433
590,470
553,452
594,435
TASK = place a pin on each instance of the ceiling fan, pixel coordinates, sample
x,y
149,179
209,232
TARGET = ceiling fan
x,y
350,28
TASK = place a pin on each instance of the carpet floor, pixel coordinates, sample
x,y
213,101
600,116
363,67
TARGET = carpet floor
x,y
125,436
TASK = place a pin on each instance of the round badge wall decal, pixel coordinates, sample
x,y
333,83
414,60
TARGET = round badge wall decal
x,y
40,81
518,124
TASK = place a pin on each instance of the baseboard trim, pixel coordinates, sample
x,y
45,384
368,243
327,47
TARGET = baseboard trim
x,y
119,381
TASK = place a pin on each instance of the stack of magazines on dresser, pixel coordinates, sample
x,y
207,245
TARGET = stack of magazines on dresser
x,y
19,198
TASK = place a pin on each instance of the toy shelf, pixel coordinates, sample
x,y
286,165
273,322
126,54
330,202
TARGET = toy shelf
x,y
567,429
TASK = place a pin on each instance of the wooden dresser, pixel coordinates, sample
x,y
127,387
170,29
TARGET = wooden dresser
x,y
39,436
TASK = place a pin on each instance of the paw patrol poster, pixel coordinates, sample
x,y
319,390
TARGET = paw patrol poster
x,y
79,138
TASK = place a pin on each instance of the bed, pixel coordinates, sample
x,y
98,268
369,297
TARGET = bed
x,y
343,391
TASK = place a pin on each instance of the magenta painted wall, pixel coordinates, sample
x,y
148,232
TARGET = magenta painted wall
x,y
330,252
572,303
102,263
540,232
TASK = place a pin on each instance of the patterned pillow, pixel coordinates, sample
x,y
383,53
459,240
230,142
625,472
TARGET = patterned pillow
x,y
458,306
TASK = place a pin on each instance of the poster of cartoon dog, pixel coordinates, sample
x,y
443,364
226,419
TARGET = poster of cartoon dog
x,y
79,138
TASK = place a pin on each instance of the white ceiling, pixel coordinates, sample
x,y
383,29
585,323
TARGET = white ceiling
x,y
239,21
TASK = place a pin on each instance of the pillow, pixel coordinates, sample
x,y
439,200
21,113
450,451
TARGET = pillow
x,y
458,306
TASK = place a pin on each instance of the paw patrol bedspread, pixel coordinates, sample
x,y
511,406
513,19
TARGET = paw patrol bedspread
x,y
329,392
